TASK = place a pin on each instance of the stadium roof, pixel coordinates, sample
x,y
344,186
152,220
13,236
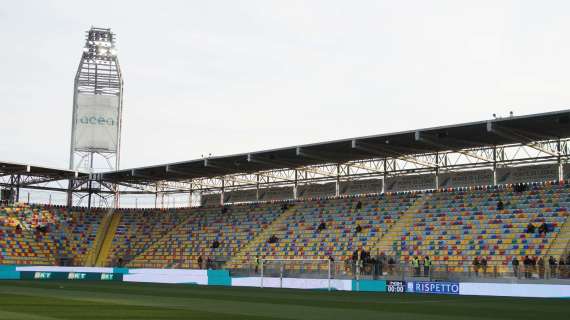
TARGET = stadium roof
x,y
500,131
10,168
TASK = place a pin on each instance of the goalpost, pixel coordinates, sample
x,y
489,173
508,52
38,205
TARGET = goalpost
x,y
297,268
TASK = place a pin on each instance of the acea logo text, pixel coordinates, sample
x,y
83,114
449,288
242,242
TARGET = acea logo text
x,y
97,120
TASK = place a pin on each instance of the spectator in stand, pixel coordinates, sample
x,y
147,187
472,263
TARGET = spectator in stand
x,y
515,264
476,265
541,269
322,227
200,262
273,239
527,266
382,261
358,228
500,205
543,228
427,266
257,263
358,260
416,266
552,266
530,228
561,267
215,244
391,265
358,205
484,265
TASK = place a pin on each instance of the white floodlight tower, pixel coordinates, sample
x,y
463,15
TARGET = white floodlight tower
x,y
97,114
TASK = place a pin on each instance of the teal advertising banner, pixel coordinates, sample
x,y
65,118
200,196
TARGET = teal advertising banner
x,y
50,275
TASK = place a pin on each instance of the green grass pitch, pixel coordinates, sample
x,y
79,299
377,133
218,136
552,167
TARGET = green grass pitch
x,y
45,300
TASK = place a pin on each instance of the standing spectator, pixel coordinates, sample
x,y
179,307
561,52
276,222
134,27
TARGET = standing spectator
x,y
527,265
561,267
543,228
358,260
382,262
391,264
484,266
476,266
552,266
416,266
515,264
540,264
427,266
422,265
257,262
331,259
200,262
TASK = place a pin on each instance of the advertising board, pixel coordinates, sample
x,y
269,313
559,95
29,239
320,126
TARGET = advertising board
x,y
51,275
433,287
97,122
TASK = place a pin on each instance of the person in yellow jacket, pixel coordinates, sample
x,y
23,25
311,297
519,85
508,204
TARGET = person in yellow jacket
x,y
416,266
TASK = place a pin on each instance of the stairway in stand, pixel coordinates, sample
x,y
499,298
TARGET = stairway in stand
x,y
93,254
108,240
247,254
386,242
561,244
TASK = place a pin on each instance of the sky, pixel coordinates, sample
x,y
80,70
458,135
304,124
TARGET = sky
x,y
224,77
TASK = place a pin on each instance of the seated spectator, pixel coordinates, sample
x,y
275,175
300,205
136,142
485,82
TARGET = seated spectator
x,y
322,227
358,205
273,239
500,205
530,228
543,228
215,244
358,228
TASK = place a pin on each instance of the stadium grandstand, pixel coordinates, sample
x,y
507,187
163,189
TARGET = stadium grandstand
x,y
472,209
487,198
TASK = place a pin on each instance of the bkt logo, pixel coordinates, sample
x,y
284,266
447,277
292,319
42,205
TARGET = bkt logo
x,y
107,276
76,276
97,120
42,275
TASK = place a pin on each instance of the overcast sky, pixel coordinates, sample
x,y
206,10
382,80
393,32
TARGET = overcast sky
x,y
224,77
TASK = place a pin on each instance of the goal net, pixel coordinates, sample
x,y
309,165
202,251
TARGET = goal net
x,y
274,272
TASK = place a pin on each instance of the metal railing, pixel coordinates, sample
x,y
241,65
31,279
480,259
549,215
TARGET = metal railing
x,y
406,272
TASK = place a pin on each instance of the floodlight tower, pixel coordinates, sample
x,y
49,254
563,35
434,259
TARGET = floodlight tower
x,y
97,111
